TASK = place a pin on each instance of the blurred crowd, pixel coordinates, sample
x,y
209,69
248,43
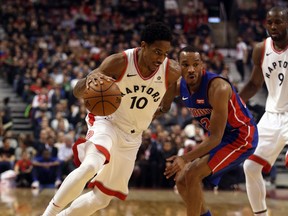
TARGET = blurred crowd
x,y
47,46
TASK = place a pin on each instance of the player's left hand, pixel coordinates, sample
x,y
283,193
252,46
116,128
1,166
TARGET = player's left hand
x,y
175,164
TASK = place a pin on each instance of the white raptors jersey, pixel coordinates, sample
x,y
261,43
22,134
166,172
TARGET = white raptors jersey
x,y
275,72
140,96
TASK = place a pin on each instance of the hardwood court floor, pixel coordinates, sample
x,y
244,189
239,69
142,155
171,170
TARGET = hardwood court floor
x,y
28,202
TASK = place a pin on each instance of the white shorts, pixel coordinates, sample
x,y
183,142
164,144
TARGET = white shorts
x,y
273,136
120,150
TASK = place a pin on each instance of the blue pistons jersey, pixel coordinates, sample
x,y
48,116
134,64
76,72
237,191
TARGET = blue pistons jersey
x,y
200,109
240,137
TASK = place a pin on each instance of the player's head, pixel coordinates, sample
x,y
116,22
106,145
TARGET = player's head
x,y
277,23
191,65
155,44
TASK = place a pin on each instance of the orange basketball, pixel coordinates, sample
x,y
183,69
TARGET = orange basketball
x,y
102,100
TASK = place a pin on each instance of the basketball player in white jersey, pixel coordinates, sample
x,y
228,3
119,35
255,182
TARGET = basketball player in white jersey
x,y
143,75
270,65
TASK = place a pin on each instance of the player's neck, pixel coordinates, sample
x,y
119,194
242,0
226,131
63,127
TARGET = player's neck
x,y
281,45
143,67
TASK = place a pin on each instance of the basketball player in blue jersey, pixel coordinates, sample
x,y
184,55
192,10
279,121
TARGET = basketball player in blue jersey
x,y
233,136
143,75
270,59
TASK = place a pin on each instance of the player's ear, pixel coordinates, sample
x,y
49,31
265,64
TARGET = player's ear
x,y
143,44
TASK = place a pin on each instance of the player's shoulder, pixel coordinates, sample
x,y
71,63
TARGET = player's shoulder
x,y
259,46
114,65
118,58
258,52
219,84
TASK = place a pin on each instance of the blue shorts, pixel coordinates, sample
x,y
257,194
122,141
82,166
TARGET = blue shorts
x,y
235,147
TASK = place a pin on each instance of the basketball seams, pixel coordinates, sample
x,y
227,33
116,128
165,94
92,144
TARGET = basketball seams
x,y
103,99
102,103
105,95
95,106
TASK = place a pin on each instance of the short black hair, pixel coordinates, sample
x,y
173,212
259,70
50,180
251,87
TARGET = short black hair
x,y
280,9
188,49
156,31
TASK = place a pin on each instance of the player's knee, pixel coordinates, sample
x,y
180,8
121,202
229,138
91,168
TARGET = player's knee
x,y
250,167
89,168
193,171
100,200
92,164
103,203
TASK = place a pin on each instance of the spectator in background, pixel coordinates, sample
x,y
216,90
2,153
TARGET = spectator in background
x,y
149,162
65,155
241,57
60,140
183,117
188,146
60,123
7,156
46,142
6,114
41,141
12,138
46,171
1,124
225,73
40,104
23,147
23,170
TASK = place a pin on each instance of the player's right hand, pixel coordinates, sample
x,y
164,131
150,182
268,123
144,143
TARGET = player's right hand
x,y
96,77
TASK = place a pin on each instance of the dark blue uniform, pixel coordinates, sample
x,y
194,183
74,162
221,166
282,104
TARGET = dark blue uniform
x,y
240,137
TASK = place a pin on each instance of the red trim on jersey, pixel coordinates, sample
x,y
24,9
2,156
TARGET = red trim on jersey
x,y
104,151
100,148
124,70
263,52
91,118
80,140
107,191
137,66
231,152
237,117
266,166
166,73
